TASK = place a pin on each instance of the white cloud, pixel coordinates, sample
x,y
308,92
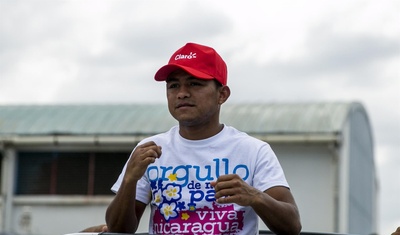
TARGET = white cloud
x,y
108,51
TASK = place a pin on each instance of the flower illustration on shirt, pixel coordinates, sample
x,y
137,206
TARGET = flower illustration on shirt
x,y
173,177
167,200
158,197
192,206
169,211
172,192
185,216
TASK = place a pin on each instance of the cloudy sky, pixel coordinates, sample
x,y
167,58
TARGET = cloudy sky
x,y
107,51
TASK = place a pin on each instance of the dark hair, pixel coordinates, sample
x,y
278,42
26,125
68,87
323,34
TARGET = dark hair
x,y
217,83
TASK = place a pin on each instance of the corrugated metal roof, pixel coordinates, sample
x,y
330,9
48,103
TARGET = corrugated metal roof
x,y
288,117
137,119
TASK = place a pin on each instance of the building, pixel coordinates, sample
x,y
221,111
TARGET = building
x,y
59,161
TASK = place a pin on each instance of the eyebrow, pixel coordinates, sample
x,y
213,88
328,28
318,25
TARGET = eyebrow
x,y
171,79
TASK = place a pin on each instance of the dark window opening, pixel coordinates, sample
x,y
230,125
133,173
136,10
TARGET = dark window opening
x,y
68,173
1,169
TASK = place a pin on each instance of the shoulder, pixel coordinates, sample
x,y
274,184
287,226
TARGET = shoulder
x,y
234,133
245,142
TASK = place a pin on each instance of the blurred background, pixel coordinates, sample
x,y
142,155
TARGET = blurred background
x,y
106,52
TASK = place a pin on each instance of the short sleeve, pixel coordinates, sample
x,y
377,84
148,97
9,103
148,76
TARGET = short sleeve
x,y
268,171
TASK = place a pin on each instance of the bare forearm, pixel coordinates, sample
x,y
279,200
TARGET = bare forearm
x,y
123,214
120,215
280,217
97,228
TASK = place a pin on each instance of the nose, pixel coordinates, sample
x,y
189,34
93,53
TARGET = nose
x,y
183,92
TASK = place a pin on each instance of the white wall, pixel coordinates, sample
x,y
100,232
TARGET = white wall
x,y
32,216
36,218
310,170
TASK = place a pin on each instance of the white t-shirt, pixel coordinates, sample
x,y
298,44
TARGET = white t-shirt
x,y
178,186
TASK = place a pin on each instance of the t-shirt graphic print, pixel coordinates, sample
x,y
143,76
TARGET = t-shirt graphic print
x,y
190,207
178,184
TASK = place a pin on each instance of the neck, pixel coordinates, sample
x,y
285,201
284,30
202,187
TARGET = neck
x,y
199,132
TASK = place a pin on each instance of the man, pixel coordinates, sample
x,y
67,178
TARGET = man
x,y
201,177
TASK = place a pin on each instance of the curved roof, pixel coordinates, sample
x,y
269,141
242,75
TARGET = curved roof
x,y
288,117
145,119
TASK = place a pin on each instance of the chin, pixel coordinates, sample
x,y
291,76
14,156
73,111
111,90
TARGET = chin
x,y
188,122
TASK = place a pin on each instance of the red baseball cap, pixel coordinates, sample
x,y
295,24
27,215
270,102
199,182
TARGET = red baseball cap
x,y
200,61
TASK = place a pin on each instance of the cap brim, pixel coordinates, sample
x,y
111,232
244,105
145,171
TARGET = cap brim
x,y
163,73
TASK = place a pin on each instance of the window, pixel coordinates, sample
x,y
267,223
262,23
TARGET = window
x,y
68,173
1,169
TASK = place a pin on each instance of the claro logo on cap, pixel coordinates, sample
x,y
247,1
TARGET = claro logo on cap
x,y
190,56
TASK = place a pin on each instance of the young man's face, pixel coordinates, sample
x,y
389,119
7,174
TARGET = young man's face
x,y
193,101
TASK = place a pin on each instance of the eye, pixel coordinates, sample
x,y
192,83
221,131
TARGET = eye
x,y
172,85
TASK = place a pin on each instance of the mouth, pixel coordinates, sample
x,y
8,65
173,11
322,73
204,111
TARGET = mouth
x,y
183,105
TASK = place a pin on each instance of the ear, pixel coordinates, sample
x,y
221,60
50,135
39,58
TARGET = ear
x,y
224,93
